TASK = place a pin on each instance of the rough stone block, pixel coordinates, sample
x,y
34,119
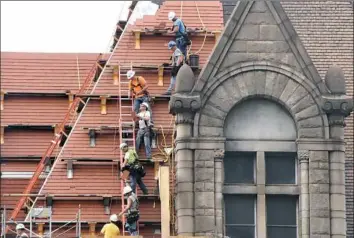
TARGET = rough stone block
x,y
185,224
311,133
258,18
339,226
222,99
319,156
199,212
204,200
199,164
209,212
248,32
339,189
184,164
311,122
211,131
204,174
260,77
210,110
304,103
299,93
251,83
337,177
318,176
218,187
270,32
233,58
209,187
204,155
210,121
319,201
238,46
184,200
338,202
219,198
199,186
320,213
319,188
267,47
320,226
184,175
308,112
279,85
242,86
270,82
288,90
184,187
209,164
204,224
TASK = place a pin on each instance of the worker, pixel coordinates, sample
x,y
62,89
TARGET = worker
x,y
132,210
144,132
138,87
180,30
177,62
20,231
136,170
111,229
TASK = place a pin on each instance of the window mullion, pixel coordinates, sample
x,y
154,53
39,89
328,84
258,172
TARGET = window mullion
x,y
261,225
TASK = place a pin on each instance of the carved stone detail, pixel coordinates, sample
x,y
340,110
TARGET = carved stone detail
x,y
184,118
219,153
180,103
303,156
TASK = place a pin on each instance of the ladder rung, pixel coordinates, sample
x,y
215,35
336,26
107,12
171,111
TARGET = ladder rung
x,y
127,131
126,106
126,114
127,139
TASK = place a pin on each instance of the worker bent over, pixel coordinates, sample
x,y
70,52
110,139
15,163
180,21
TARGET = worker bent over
x,y
136,170
180,30
138,88
20,231
111,230
177,62
132,210
144,131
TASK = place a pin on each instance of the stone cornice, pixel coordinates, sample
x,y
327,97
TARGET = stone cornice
x,y
320,144
206,143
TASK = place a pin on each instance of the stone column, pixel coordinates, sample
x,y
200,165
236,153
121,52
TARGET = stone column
x,y
184,107
218,196
303,157
337,106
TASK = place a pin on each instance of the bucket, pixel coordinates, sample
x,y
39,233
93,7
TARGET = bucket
x,y
194,61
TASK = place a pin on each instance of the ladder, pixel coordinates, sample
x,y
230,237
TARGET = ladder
x,y
73,116
126,122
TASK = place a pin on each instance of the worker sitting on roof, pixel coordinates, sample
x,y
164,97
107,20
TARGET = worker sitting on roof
x,y
20,231
181,33
136,170
177,62
133,211
144,132
138,88
111,230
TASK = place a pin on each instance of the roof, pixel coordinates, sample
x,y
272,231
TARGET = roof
x,y
44,72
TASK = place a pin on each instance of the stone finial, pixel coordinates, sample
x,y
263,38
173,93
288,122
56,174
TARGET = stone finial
x,y
219,153
335,80
303,156
185,79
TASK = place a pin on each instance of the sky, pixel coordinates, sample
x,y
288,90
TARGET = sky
x,y
63,26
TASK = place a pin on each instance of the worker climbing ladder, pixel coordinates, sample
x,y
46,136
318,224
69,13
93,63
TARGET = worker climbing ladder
x,y
71,119
126,121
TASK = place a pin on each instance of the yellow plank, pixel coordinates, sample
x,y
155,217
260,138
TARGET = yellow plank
x,y
164,188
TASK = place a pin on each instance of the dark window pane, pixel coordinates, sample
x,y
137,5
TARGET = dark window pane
x,y
281,232
239,209
280,168
240,231
239,167
281,210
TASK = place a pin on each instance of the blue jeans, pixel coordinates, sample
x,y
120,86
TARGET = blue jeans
x,y
181,44
136,179
172,84
132,228
144,134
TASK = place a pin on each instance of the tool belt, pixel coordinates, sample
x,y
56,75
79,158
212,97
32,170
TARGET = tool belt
x,y
133,216
139,169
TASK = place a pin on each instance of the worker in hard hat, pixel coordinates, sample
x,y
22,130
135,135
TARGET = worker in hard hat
x,y
20,231
177,62
138,88
132,210
111,229
136,170
180,29
144,132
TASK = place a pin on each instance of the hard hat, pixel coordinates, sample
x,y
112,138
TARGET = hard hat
x,y
127,189
123,145
171,15
20,226
130,74
145,104
113,218
171,44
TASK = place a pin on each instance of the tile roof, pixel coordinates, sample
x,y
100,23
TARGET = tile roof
x,y
44,72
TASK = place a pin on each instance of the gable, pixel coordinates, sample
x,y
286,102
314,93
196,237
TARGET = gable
x,y
259,31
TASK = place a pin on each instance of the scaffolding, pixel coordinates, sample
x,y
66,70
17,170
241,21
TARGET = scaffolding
x,y
42,215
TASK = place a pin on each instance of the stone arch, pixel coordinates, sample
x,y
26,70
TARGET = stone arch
x,y
280,83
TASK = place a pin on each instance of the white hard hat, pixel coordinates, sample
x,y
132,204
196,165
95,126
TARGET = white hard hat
x,y
130,74
123,145
145,104
127,189
20,226
113,218
171,15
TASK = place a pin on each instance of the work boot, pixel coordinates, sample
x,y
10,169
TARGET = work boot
x,y
167,94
